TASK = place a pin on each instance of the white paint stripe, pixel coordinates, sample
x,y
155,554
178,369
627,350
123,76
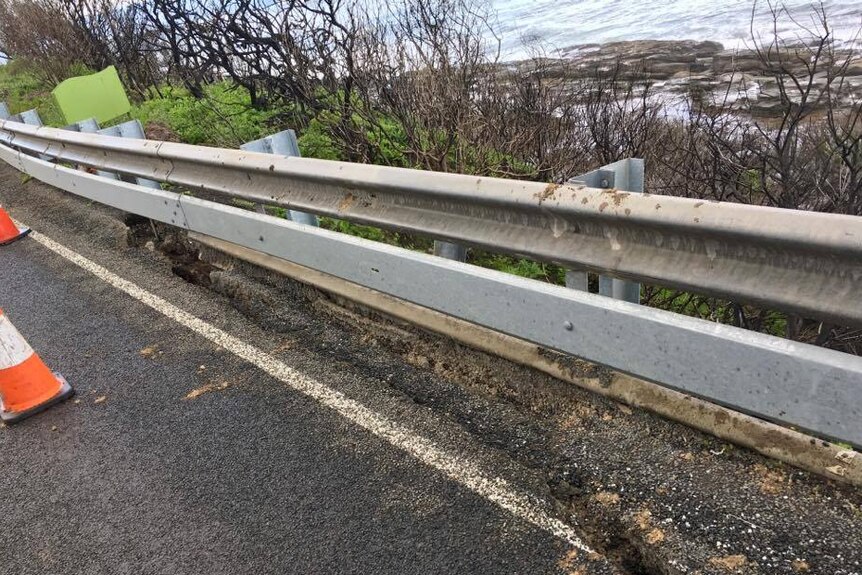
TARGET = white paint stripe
x,y
492,488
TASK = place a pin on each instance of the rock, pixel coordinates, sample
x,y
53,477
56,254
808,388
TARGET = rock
x,y
837,470
728,61
704,71
846,455
854,67
607,498
769,108
736,77
661,58
730,562
624,408
643,519
662,50
667,69
769,93
655,536
150,351
218,386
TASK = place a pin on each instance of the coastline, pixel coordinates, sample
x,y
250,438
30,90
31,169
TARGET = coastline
x,y
702,70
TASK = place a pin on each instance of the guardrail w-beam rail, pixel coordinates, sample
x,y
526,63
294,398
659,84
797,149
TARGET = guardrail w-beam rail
x,y
804,262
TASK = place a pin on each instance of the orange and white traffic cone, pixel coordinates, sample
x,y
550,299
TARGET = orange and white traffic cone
x,y
27,386
9,232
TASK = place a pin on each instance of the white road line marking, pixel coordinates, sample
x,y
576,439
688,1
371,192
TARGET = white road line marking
x,y
455,467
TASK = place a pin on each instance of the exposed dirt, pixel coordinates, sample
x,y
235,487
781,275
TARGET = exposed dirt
x,y
656,496
659,497
548,193
160,132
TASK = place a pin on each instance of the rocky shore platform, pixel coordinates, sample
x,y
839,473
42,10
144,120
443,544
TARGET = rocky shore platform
x,y
740,78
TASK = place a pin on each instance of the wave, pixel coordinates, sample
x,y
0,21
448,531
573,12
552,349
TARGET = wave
x,y
557,24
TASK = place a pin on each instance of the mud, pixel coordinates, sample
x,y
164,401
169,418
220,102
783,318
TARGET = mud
x,y
656,496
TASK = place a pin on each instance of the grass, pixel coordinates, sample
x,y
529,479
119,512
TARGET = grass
x,y
225,118
22,91
518,266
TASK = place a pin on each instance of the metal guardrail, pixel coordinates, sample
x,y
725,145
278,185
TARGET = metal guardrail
x,y
797,384
805,262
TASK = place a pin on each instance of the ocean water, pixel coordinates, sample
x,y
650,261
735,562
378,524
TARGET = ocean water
x,y
560,24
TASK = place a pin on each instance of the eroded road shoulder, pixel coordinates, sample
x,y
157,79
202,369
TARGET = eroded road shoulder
x,y
648,495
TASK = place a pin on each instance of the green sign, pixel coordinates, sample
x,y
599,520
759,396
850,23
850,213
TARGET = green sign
x,y
100,96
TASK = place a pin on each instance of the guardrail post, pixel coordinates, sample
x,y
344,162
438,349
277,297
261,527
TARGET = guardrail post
x,y
31,118
131,129
281,144
628,176
90,126
450,251
4,111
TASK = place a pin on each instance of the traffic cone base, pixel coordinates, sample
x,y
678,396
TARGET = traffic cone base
x,y
9,232
64,392
21,233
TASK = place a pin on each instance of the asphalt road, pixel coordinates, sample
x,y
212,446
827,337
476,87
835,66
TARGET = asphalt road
x,y
255,426
134,477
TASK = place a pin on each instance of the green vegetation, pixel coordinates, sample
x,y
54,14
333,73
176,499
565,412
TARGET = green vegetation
x,y
520,267
22,91
224,118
